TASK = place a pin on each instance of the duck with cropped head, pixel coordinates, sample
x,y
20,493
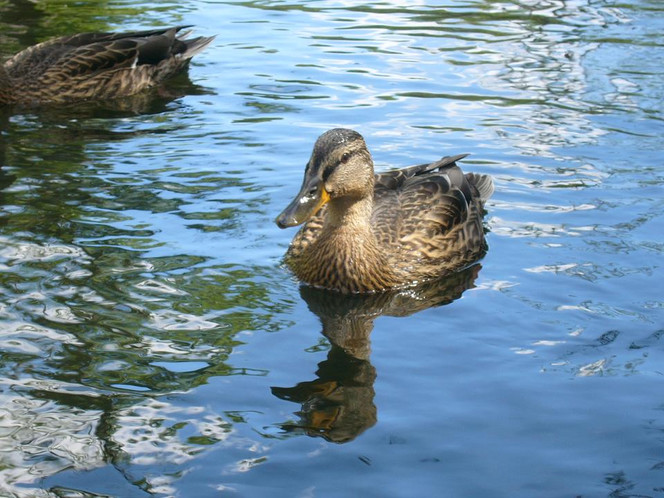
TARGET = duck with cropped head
x,y
367,232
96,66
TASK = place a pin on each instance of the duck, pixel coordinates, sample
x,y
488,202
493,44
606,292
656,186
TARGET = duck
x,y
96,66
365,233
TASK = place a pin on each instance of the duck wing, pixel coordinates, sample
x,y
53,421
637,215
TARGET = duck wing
x,y
71,67
418,206
91,52
392,180
427,199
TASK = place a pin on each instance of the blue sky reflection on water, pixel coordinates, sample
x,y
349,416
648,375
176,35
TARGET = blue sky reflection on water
x,y
152,343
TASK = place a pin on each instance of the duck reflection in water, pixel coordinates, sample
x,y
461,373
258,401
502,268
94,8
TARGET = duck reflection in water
x,y
338,405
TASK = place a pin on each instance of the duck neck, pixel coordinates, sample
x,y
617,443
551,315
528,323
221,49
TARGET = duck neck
x,y
353,213
347,253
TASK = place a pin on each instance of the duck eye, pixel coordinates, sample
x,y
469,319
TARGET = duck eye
x,y
345,157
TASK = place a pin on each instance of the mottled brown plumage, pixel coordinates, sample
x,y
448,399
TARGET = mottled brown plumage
x,y
95,66
367,232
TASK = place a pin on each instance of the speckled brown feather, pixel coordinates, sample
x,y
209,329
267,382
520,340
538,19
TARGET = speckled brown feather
x,y
426,221
95,66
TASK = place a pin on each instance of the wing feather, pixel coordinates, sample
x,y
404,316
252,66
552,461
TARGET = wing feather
x,y
84,53
421,203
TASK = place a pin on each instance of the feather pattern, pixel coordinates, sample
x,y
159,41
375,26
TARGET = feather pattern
x,y
96,66
387,230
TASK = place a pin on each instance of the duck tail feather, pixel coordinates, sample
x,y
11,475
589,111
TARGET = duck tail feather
x,y
483,184
196,45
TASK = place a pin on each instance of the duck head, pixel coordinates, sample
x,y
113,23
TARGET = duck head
x,y
340,167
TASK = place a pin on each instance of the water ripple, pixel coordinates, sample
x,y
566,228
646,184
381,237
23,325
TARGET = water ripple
x,y
146,318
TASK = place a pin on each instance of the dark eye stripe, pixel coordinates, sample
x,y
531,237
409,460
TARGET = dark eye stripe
x,y
344,159
327,172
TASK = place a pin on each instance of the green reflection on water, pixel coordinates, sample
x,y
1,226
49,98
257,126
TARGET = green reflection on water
x,y
119,328
100,329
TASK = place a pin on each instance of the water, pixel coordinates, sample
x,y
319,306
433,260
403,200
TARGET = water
x,y
153,345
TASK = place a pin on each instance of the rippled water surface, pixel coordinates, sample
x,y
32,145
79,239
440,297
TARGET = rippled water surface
x,y
152,343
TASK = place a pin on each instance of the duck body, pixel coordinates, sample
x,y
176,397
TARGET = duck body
x,y
95,66
368,233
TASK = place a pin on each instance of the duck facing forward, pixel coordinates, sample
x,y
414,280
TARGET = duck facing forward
x,y
95,66
366,233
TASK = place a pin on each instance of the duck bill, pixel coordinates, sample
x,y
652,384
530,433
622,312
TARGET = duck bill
x,y
309,200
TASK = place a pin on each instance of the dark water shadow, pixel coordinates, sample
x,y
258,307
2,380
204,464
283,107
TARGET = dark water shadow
x,y
40,142
6,178
339,404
